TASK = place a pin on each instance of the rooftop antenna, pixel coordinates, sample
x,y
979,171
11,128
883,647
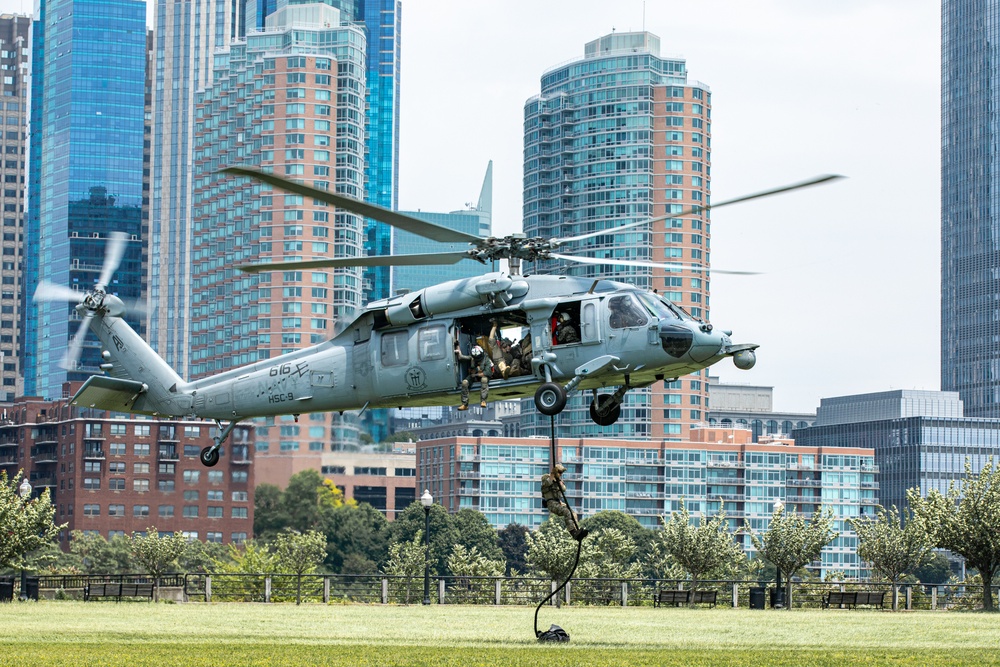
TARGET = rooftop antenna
x,y
644,15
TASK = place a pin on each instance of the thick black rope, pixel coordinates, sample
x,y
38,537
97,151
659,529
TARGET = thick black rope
x,y
579,542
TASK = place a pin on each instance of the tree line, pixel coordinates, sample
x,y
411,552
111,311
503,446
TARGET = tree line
x,y
310,527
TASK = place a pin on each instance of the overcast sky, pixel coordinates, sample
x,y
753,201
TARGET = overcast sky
x,y
849,299
849,302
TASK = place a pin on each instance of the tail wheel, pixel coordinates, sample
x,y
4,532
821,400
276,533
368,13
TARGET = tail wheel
x,y
550,398
610,416
209,456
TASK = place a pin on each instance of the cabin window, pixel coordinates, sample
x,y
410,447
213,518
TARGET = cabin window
x,y
394,352
430,343
625,312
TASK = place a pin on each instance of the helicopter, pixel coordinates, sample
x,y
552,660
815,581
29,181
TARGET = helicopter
x,y
406,350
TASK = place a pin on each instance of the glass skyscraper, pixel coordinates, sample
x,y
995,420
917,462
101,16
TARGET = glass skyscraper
x,y
970,204
186,37
85,169
617,137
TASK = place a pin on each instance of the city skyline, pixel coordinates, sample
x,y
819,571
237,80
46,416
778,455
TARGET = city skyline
x,y
845,100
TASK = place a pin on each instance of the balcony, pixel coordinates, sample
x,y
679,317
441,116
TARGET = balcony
x,y
720,463
8,460
44,454
94,453
43,480
816,483
805,500
168,454
240,461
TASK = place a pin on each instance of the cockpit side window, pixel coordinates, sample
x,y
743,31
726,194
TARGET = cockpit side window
x,y
657,307
625,312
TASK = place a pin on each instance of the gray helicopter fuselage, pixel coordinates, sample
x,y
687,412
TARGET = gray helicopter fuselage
x,y
400,351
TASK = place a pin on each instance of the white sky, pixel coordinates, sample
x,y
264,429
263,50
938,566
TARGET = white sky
x,y
849,302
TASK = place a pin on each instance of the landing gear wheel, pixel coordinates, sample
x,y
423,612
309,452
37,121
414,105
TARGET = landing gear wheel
x,y
550,399
209,457
613,414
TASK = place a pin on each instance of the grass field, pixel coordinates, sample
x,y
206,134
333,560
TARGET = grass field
x,y
139,634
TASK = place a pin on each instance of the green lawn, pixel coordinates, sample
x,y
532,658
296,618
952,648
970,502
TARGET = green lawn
x,y
139,634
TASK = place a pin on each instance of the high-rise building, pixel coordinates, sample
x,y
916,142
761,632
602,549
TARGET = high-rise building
x,y
14,58
717,469
921,438
476,219
279,102
751,407
85,170
970,219
622,136
382,21
187,34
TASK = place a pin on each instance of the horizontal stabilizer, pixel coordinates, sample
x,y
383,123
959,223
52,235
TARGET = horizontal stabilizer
x,y
107,393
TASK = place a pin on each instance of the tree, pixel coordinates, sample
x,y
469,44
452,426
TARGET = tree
x,y
309,500
551,550
299,553
791,542
157,554
25,523
934,569
967,521
513,541
251,557
406,560
269,515
700,549
475,532
641,537
608,554
98,555
357,530
199,556
443,534
893,548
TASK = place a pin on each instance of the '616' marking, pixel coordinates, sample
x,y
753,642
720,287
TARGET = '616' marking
x,y
280,398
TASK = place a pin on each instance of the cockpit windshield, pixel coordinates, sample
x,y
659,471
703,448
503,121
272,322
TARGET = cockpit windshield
x,y
661,307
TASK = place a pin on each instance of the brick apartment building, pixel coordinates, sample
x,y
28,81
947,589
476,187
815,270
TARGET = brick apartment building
x,y
115,475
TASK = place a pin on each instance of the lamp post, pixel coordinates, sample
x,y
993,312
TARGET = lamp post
x,y
24,490
427,500
779,592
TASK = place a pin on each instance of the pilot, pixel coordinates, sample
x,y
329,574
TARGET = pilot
x,y
565,332
623,314
479,369
553,495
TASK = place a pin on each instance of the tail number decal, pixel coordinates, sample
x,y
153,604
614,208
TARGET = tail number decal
x,y
281,398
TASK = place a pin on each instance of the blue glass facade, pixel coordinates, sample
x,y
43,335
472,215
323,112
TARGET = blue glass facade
x,y
970,204
85,168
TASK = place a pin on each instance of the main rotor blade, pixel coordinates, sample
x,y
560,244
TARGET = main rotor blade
x,y
47,291
72,357
379,260
693,210
112,257
655,265
407,223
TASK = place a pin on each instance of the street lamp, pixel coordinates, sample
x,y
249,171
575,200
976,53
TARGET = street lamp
x,y
427,500
779,592
25,492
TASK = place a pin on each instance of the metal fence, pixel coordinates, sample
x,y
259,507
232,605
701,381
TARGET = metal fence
x,y
383,589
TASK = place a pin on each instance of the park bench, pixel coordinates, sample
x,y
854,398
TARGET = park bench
x,y
116,591
851,599
677,598
705,597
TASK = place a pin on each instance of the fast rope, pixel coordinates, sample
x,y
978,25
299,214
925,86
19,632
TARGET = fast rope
x,y
555,633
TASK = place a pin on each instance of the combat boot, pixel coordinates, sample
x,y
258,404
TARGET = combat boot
x,y
463,406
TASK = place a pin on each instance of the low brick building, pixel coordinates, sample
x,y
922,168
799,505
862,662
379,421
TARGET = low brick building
x,y
115,474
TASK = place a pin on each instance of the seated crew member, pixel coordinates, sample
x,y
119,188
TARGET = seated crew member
x,y
479,369
565,332
624,313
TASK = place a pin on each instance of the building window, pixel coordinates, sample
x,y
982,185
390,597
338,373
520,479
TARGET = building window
x,y
191,476
92,483
166,511
116,510
91,510
140,485
191,511
214,512
239,513
140,510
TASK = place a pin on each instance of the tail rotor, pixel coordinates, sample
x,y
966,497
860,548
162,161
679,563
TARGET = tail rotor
x,y
89,302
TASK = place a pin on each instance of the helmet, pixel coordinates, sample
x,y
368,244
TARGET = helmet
x,y
476,351
560,468
564,317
